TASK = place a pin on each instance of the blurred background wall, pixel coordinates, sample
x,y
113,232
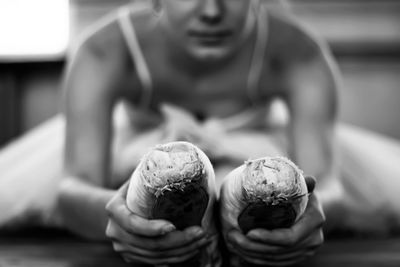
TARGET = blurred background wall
x,y
364,36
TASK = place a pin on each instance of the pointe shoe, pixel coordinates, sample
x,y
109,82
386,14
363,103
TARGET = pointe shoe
x,y
267,193
176,182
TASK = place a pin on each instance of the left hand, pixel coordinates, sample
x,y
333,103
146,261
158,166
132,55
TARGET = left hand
x,y
285,246
143,241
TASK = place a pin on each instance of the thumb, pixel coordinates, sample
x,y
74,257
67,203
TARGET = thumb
x,y
310,181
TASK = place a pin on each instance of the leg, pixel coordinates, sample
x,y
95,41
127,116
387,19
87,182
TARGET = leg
x,y
30,168
370,175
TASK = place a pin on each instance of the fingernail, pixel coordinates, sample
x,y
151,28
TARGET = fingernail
x,y
167,229
197,232
253,236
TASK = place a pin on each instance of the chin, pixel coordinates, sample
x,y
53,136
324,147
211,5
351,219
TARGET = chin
x,y
211,53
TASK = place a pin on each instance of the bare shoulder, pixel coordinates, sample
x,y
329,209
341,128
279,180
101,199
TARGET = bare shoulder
x,y
295,46
104,38
101,58
294,41
98,38
308,69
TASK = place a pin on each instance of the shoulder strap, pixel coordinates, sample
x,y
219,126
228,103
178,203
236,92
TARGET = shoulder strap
x,y
257,59
135,51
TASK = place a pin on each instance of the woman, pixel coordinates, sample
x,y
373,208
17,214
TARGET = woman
x,y
206,71
214,60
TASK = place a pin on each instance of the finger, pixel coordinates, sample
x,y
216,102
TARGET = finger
x,y
124,248
284,255
254,249
276,260
314,241
237,239
132,258
284,262
132,223
287,259
310,181
165,242
312,219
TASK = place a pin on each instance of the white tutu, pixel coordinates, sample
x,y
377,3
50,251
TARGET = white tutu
x,y
30,167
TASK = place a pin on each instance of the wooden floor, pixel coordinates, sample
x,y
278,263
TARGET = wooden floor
x,y
68,251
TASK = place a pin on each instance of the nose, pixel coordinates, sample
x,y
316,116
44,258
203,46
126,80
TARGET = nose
x,y
212,11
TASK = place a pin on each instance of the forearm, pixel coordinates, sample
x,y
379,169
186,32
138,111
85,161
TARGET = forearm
x,y
82,208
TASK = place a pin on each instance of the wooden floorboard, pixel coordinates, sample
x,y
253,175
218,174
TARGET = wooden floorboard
x,y
68,251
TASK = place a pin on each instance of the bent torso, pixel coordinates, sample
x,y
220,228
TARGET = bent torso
x,y
213,90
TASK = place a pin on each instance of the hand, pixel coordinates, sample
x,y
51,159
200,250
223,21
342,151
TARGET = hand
x,y
282,247
180,125
154,242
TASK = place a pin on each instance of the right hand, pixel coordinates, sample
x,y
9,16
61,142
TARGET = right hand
x,y
154,242
282,246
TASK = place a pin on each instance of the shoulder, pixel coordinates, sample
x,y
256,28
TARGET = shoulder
x,y
307,67
292,41
104,39
298,49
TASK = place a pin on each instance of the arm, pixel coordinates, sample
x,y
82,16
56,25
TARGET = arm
x,y
312,100
312,103
91,89
88,208
313,107
310,82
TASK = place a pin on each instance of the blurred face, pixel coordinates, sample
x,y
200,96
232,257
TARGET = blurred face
x,y
207,29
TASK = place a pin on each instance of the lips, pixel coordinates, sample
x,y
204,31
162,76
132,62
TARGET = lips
x,y
210,37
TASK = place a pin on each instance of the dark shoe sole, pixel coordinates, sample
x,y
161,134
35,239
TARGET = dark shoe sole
x,y
184,208
261,215
265,216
